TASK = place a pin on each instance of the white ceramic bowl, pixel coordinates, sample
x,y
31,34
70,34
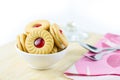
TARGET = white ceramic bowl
x,y
41,61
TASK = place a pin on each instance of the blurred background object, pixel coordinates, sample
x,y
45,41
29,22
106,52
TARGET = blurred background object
x,y
100,16
73,33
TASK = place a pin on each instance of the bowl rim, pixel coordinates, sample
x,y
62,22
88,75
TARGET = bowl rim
x,y
31,54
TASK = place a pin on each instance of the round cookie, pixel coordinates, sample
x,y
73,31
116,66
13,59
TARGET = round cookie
x,y
54,50
39,41
38,24
59,38
22,41
19,43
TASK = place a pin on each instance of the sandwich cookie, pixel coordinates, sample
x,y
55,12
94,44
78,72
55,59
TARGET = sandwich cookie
x,y
59,38
38,24
54,50
19,45
39,41
22,41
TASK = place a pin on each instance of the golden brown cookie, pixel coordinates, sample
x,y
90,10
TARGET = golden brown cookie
x,y
59,49
19,43
59,38
39,41
38,24
54,50
22,41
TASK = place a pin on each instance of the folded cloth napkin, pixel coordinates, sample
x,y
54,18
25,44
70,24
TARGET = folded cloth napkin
x,y
108,65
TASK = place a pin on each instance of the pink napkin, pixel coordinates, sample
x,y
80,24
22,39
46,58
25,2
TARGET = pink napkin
x,y
109,65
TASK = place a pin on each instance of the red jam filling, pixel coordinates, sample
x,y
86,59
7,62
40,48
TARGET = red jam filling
x,y
39,42
61,31
37,25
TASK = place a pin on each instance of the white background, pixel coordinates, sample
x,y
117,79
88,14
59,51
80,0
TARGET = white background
x,y
99,16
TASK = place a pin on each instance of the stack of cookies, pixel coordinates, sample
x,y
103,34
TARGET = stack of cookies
x,y
41,37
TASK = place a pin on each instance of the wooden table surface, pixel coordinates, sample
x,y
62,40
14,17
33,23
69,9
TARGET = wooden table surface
x,y
13,67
